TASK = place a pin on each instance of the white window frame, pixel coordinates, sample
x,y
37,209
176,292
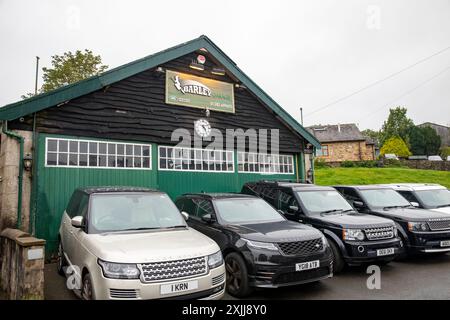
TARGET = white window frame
x,y
265,166
107,142
202,153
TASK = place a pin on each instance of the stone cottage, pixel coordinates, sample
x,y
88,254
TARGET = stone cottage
x,y
342,142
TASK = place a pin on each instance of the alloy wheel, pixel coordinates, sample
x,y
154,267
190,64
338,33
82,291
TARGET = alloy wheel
x,y
234,275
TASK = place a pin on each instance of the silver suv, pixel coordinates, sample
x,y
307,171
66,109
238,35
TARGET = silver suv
x,y
133,243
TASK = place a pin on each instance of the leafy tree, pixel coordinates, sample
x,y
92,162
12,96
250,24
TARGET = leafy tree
x,y
69,68
445,152
397,125
397,146
424,141
372,134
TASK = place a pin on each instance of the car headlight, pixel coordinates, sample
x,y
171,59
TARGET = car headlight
x,y
261,245
353,234
418,226
119,270
395,232
215,260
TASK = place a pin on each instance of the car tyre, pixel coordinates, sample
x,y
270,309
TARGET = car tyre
x,y
237,276
338,260
61,263
87,291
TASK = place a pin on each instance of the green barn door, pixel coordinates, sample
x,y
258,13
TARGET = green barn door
x,y
55,185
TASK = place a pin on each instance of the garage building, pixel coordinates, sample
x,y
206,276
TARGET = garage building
x,y
117,128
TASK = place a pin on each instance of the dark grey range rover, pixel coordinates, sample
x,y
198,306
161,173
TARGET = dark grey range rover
x,y
421,231
355,238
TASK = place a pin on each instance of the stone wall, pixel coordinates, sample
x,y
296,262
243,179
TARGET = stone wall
x,y
427,165
9,172
21,265
348,151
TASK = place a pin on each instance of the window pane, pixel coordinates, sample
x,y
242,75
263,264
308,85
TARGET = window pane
x,y
137,150
102,161
51,159
102,148
146,162
83,160
129,149
73,159
62,159
146,151
92,160
120,149
129,162
137,162
63,146
162,152
83,147
93,147
73,146
111,161
52,145
120,161
162,163
111,148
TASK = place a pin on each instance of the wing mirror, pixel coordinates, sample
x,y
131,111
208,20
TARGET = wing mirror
x,y
77,222
185,215
358,204
293,208
207,218
415,204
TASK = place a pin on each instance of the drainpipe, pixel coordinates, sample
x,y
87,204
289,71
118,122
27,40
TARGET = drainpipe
x,y
19,139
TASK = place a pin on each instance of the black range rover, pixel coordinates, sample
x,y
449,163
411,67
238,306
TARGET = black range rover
x,y
261,248
354,238
421,231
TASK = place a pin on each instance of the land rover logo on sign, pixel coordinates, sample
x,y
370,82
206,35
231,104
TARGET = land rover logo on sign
x,y
193,91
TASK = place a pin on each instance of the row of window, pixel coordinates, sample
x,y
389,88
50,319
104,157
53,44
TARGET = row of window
x,y
322,152
97,154
265,163
101,154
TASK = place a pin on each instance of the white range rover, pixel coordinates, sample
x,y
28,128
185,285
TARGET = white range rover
x,y
133,243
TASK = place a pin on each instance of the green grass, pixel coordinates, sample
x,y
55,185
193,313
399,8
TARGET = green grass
x,y
334,176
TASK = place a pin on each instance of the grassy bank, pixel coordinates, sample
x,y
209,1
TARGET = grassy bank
x,y
332,176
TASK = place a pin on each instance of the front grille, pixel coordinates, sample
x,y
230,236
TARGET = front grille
x,y
301,276
218,279
302,248
380,233
186,268
124,293
439,224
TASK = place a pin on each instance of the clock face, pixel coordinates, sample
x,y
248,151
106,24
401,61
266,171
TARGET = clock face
x,y
202,128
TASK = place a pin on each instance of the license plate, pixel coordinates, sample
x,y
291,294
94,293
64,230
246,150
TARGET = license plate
x,y
307,265
445,243
179,287
385,252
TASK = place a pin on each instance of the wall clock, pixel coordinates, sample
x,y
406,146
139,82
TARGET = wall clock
x,y
202,128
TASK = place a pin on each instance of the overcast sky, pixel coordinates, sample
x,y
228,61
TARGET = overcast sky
x,y
302,53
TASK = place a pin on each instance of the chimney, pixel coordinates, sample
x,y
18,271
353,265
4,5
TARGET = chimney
x,y
339,127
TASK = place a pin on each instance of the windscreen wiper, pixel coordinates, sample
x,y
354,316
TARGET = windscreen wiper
x,y
175,227
443,205
393,207
330,211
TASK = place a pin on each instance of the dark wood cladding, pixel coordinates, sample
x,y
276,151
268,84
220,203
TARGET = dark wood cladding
x,y
135,109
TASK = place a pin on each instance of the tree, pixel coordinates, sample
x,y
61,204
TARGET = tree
x,y
397,125
395,145
69,68
372,134
424,141
445,152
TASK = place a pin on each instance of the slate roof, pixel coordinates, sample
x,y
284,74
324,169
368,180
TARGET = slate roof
x,y
337,132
